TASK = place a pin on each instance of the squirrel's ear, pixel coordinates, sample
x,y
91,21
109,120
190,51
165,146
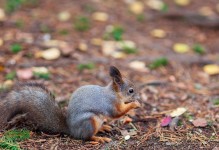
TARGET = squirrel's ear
x,y
116,75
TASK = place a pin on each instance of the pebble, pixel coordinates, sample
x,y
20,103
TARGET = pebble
x,y
127,137
100,16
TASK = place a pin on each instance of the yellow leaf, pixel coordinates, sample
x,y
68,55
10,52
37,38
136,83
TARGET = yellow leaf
x,y
51,54
181,48
182,2
177,112
211,69
137,7
100,16
158,33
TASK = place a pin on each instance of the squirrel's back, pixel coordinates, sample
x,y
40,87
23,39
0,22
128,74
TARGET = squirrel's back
x,y
33,103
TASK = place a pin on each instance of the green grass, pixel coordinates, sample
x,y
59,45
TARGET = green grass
x,y
41,75
199,49
160,62
11,137
82,23
19,23
117,33
64,32
11,75
13,5
88,66
130,50
165,8
45,28
216,101
15,48
140,17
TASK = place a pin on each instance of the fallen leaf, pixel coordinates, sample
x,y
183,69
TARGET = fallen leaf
x,y
155,4
97,41
181,48
8,83
25,37
2,15
211,69
118,55
53,43
124,132
158,33
206,11
1,42
166,121
182,2
40,69
108,47
138,65
200,122
177,112
51,54
136,7
25,73
82,46
217,7
100,16
64,16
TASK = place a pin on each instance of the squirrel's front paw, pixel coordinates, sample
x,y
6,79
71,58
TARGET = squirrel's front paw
x,y
136,104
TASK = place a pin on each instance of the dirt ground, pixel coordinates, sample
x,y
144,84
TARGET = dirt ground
x,y
182,83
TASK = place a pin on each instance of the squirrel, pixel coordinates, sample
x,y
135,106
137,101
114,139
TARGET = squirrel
x,y
88,107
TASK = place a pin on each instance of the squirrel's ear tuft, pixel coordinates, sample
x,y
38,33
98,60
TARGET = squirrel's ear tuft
x,y
116,76
115,72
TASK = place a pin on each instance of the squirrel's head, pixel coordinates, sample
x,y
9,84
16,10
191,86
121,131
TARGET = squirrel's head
x,y
122,86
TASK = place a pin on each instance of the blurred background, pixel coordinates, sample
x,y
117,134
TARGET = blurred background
x,y
172,45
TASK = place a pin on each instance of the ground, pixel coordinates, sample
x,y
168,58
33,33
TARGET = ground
x,y
181,83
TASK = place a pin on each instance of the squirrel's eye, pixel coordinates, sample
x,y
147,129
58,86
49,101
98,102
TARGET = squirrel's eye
x,y
131,90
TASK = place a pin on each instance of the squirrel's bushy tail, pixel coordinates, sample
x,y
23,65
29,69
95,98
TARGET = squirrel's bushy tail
x,y
34,105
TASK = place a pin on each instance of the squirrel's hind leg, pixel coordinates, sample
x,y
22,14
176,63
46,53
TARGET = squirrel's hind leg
x,y
97,125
